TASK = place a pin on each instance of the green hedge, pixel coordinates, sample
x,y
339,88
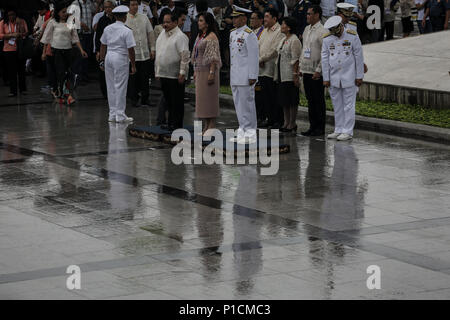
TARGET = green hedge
x,y
390,111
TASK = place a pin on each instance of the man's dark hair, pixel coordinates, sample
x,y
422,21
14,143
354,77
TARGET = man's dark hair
x,y
259,14
317,9
173,16
201,5
273,12
43,5
179,11
163,13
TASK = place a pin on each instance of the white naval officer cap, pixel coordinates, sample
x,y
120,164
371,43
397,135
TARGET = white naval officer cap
x,y
238,11
345,8
121,9
332,22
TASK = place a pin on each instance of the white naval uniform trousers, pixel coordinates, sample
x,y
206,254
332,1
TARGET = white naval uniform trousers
x,y
244,56
117,74
118,38
244,100
344,100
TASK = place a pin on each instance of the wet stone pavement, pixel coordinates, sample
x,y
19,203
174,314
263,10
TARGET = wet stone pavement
x,y
76,190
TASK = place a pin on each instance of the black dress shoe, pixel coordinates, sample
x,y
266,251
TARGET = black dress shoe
x,y
317,133
263,124
275,126
145,104
306,133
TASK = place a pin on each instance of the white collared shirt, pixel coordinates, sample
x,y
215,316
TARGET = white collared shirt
x,y
118,38
268,45
312,42
143,35
172,54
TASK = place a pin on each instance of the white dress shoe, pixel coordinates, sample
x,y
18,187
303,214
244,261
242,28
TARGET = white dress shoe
x,y
246,140
241,141
333,135
127,119
344,137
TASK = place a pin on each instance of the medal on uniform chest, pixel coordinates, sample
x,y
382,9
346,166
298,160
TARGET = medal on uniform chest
x,y
240,42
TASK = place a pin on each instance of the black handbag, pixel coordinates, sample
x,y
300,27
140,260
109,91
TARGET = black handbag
x,y
25,48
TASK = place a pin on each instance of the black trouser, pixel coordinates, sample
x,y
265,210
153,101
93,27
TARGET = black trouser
x,y
102,82
315,94
173,93
80,64
3,65
16,68
271,107
51,72
437,23
162,108
139,82
63,59
389,28
259,102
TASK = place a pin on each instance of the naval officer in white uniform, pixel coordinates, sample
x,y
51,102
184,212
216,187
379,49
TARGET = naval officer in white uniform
x,y
343,73
345,11
244,56
118,45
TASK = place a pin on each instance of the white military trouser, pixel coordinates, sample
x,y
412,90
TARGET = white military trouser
x,y
244,102
344,100
116,74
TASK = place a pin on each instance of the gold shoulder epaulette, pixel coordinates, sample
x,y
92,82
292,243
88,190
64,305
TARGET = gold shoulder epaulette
x,y
233,29
352,23
326,35
353,32
248,30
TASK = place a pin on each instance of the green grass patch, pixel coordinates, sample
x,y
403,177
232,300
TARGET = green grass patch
x,y
387,110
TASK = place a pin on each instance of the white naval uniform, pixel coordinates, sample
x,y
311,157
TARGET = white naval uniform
x,y
244,58
351,25
118,38
342,64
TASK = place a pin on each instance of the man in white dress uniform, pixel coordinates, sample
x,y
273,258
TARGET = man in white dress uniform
x,y
343,73
244,56
118,45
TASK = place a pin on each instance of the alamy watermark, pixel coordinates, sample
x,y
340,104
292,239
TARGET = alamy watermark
x,y
374,20
374,280
263,150
74,280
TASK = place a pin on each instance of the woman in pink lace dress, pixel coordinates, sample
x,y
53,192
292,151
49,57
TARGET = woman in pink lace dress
x,y
207,63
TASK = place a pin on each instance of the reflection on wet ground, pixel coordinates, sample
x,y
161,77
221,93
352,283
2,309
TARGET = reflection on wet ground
x,y
77,190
